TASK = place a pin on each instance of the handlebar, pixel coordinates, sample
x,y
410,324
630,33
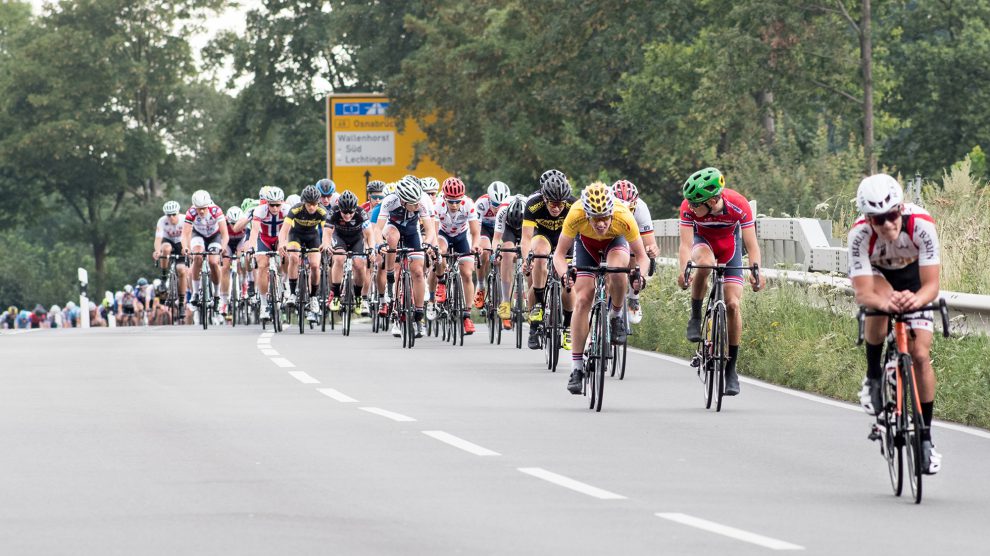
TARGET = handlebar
x,y
940,306
719,269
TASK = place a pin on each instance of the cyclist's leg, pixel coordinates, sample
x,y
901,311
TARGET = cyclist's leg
x,y
196,245
436,278
617,255
213,246
922,326
294,261
484,242
412,240
337,270
462,245
733,295
541,245
701,254
583,292
314,270
225,277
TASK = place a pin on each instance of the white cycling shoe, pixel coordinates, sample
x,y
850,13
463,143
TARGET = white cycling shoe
x,y
396,331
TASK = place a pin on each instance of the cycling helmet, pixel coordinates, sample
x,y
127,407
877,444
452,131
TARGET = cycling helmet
x,y
274,194
128,288
554,186
248,204
310,194
348,202
263,191
325,187
55,309
201,199
878,194
625,190
514,217
453,188
498,193
410,189
70,305
431,185
171,207
156,283
234,214
391,188
597,200
376,186
703,185
142,282
293,200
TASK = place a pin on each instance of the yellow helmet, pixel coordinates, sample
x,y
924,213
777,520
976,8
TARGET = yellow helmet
x,y
597,200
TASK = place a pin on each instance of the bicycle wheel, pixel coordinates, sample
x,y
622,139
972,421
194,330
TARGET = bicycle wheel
x,y
622,362
913,426
204,298
456,310
604,346
706,367
407,306
324,294
235,292
302,299
721,336
518,311
553,327
890,445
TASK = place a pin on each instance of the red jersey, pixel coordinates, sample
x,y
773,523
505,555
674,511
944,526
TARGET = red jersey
x,y
736,215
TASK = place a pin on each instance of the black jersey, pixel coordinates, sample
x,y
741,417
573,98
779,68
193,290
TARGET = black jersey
x,y
538,216
349,229
303,221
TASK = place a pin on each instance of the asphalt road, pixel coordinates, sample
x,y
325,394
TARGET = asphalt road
x,y
231,441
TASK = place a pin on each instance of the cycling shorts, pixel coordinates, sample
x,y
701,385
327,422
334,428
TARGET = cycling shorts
x,y
304,240
586,251
410,237
487,231
354,244
727,251
200,242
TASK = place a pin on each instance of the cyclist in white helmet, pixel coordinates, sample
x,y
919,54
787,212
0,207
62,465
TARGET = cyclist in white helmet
x,y
168,241
487,207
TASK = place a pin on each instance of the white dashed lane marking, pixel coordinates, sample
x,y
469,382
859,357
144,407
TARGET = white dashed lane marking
x,y
387,414
456,442
336,394
570,483
731,532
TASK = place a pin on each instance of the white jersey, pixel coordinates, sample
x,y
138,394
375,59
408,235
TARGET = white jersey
x,y
643,218
487,211
916,245
207,225
456,223
169,232
393,211
502,218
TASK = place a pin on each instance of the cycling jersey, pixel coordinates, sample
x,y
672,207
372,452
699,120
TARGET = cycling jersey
x,y
623,224
269,224
899,260
538,216
643,218
502,225
487,211
737,214
375,211
171,233
208,225
455,223
394,211
349,229
235,237
300,220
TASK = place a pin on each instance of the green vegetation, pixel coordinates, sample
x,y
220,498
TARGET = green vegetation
x,y
807,340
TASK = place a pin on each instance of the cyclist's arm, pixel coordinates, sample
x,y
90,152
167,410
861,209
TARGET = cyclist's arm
x,y
224,234
255,232
431,231
158,244
186,236
474,227
283,232
564,244
686,243
327,241
242,223
527,240
642,259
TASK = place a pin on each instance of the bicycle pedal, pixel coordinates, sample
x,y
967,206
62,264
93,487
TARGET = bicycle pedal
x,y
875,433
696,361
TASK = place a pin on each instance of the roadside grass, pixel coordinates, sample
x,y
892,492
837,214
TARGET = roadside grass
x,y
806,339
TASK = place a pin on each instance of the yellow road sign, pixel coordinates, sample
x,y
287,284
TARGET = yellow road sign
x,y
364,144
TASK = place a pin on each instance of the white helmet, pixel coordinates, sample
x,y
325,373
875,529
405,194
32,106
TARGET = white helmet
x,y
70,305
293,200
128,288
410,189
171,207
878,194
430,185
201,199
261,192
498,193
156,283
273,194
234,214
390,188
55,309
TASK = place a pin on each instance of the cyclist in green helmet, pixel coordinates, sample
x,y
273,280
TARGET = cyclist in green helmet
x,y
715,222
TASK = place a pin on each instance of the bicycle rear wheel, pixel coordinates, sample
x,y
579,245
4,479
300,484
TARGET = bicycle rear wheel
x,y
890,445
721,336
518,311
913,426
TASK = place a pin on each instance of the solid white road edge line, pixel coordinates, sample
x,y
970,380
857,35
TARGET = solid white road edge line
x,y
303,377
456,442
388,414
569,483
725,530
336,394
282,362
812,397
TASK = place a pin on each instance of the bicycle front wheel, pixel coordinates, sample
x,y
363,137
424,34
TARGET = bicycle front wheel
x,y
204,299
914,426
721,336
604,348
891,447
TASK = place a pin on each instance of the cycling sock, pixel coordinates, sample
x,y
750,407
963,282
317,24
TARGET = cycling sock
x,y
314,290
390,279
567,318
577,360
292,285
633,294
927,411
696,309
733,355
505,290
336,290
874,368
357,292
540,294
614,311
466,313
419,314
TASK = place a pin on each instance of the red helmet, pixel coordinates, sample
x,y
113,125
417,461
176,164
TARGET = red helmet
x,y
624,190
453,188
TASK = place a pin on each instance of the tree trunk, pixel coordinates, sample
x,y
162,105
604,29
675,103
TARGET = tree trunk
x,y
100,262
866,62
764,100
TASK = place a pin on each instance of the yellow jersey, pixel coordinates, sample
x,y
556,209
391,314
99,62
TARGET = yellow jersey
x,y
623,224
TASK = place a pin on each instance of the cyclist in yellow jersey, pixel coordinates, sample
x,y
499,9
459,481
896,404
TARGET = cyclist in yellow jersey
x,y
304,229
597,225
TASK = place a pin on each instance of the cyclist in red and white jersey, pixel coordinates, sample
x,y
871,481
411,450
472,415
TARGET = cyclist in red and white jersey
x,y
168,241
205,230
715,222
894,266
267,221
237,236
487,207
460,228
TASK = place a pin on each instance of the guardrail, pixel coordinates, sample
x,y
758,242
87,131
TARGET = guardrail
x,y
803,250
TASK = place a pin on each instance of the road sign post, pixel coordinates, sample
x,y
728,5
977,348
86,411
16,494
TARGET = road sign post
x,y
83,299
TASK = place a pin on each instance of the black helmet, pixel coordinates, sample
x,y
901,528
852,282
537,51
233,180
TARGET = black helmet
x,y
348,202
310,194
514,217
554,186
376,186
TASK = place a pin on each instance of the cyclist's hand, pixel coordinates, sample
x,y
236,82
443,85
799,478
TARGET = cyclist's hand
x,y
652,251
185,251
156,254
681,282
569,277
757,281
282,250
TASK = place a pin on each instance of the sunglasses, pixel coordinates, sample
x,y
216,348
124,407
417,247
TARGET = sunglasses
x,y
377,197
276,205
555,204
455,201
880,219
326,196
347,212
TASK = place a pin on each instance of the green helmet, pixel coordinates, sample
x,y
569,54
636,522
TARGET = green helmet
x,y
703,185
248,204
